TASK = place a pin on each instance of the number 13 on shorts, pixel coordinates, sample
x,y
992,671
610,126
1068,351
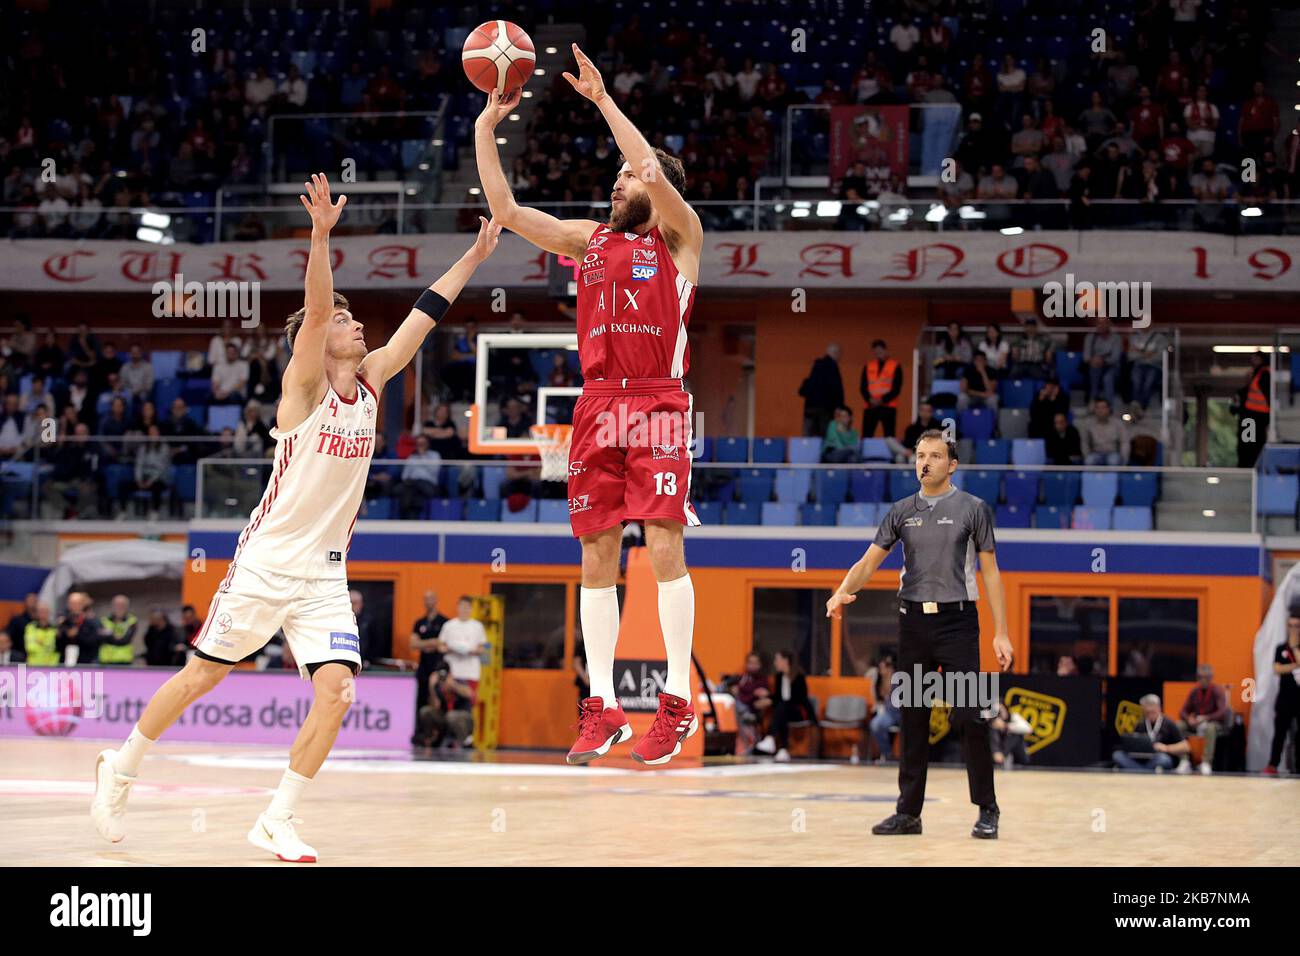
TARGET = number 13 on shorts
x,y
665,483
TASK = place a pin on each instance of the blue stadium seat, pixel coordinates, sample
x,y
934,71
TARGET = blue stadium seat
x,y
875,449
195,391
858,514
223,416
945,386
902,484
166,391
493,475
1069,372
379,509
769,450
742,512
755,484
1028,451
1139,488
804,451
976,424
780,513
831,485
1021,488
1278,494
1051,516
731,449
1281,459
819,514
453,509
1131,518
703,450
186,482
1013,516
1013,423
1017,392
1100,489
993,451
984,484
114,476
483,509
867,485
792,485
165,364
553,511
1090,518
1060,488
526,514
709,512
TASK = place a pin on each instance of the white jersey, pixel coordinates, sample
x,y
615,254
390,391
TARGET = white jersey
x,y
303,525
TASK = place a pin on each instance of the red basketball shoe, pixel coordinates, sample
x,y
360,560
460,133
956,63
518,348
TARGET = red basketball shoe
x,y
599,728
674,722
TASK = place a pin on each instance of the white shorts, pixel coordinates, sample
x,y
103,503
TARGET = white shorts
x,y
251,605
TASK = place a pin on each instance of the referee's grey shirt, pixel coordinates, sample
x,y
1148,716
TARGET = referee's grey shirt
x,y
941,537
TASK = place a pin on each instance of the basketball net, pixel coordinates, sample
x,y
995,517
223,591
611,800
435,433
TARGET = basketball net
x,y
553,448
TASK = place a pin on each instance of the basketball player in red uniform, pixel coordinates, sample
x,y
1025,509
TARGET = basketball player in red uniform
x,y
630,453
290,567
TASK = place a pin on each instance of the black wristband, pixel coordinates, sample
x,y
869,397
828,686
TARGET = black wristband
x,y
432,304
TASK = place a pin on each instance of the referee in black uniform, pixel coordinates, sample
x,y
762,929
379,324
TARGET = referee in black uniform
x,y
942,530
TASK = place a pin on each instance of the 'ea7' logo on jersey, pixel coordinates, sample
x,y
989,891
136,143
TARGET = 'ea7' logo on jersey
x,y
579,503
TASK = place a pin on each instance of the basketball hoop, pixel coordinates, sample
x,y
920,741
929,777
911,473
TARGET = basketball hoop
x,y
553,448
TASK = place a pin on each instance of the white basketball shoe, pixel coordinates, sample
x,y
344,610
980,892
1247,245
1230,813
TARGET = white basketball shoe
x,y
275,834
108,808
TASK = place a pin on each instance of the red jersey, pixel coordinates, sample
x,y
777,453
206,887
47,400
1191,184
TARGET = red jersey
x,y
633,308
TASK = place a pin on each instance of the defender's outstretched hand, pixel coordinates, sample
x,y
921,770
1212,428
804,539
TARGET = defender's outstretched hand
x,y
498,107
588,82
324,214
486,243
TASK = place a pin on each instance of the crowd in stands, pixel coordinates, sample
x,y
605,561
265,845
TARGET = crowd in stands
x,y
1164,111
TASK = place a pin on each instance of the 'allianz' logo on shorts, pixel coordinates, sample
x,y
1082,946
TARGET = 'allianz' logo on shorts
x,y
343,641
75,909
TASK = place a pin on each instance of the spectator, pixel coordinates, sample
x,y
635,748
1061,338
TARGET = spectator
x,y
1146,351
1026,142
117,633
230,378
1105,439
1201,119
465,640
153,473
1011,91
83,352
191,624
1204,714
1254,409
995,349
1081,198
372,644
880,384
1155,747
1062,444
957,189
753,697
442,434
40,640
424,639
513,419
448,716
78,634
905,451
137,375
1102,350
162,646
1286,708
179,425
1258,126
887,717
1066,666
790,703
252,439
1148,120
1047,404
904,38
217,346
1007,737
73,489
419,479
978,387
953,353
16,629
842,441
13,426
822,391
1033,355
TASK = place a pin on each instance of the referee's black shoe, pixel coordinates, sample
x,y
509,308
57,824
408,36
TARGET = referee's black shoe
x,y
986,828
900,824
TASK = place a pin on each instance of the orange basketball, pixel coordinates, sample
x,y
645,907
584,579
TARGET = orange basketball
x,y
498,55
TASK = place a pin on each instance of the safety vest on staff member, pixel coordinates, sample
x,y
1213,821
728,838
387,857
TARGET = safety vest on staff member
x,y
116,646
880,380
41,644
1256,399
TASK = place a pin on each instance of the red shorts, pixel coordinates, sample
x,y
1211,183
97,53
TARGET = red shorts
x,y
629,458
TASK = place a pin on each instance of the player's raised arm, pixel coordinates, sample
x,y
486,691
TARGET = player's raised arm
x,y
567,237
385,362
676,214
306,370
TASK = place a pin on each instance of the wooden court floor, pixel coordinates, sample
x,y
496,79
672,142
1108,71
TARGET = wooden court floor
x,y
195,802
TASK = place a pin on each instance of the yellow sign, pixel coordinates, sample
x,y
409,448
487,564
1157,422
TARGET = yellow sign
x,y
940,721
489,609
1127,717
1044,714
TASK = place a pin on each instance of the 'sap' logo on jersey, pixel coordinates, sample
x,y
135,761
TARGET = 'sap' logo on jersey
x,y
644,272
579,503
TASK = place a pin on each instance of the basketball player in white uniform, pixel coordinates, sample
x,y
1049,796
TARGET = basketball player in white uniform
x,y
289,569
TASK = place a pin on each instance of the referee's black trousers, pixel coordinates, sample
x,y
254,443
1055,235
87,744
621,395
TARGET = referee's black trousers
x,y
951,640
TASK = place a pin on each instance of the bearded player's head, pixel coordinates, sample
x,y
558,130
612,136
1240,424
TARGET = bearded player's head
x,y
630,205
344,341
